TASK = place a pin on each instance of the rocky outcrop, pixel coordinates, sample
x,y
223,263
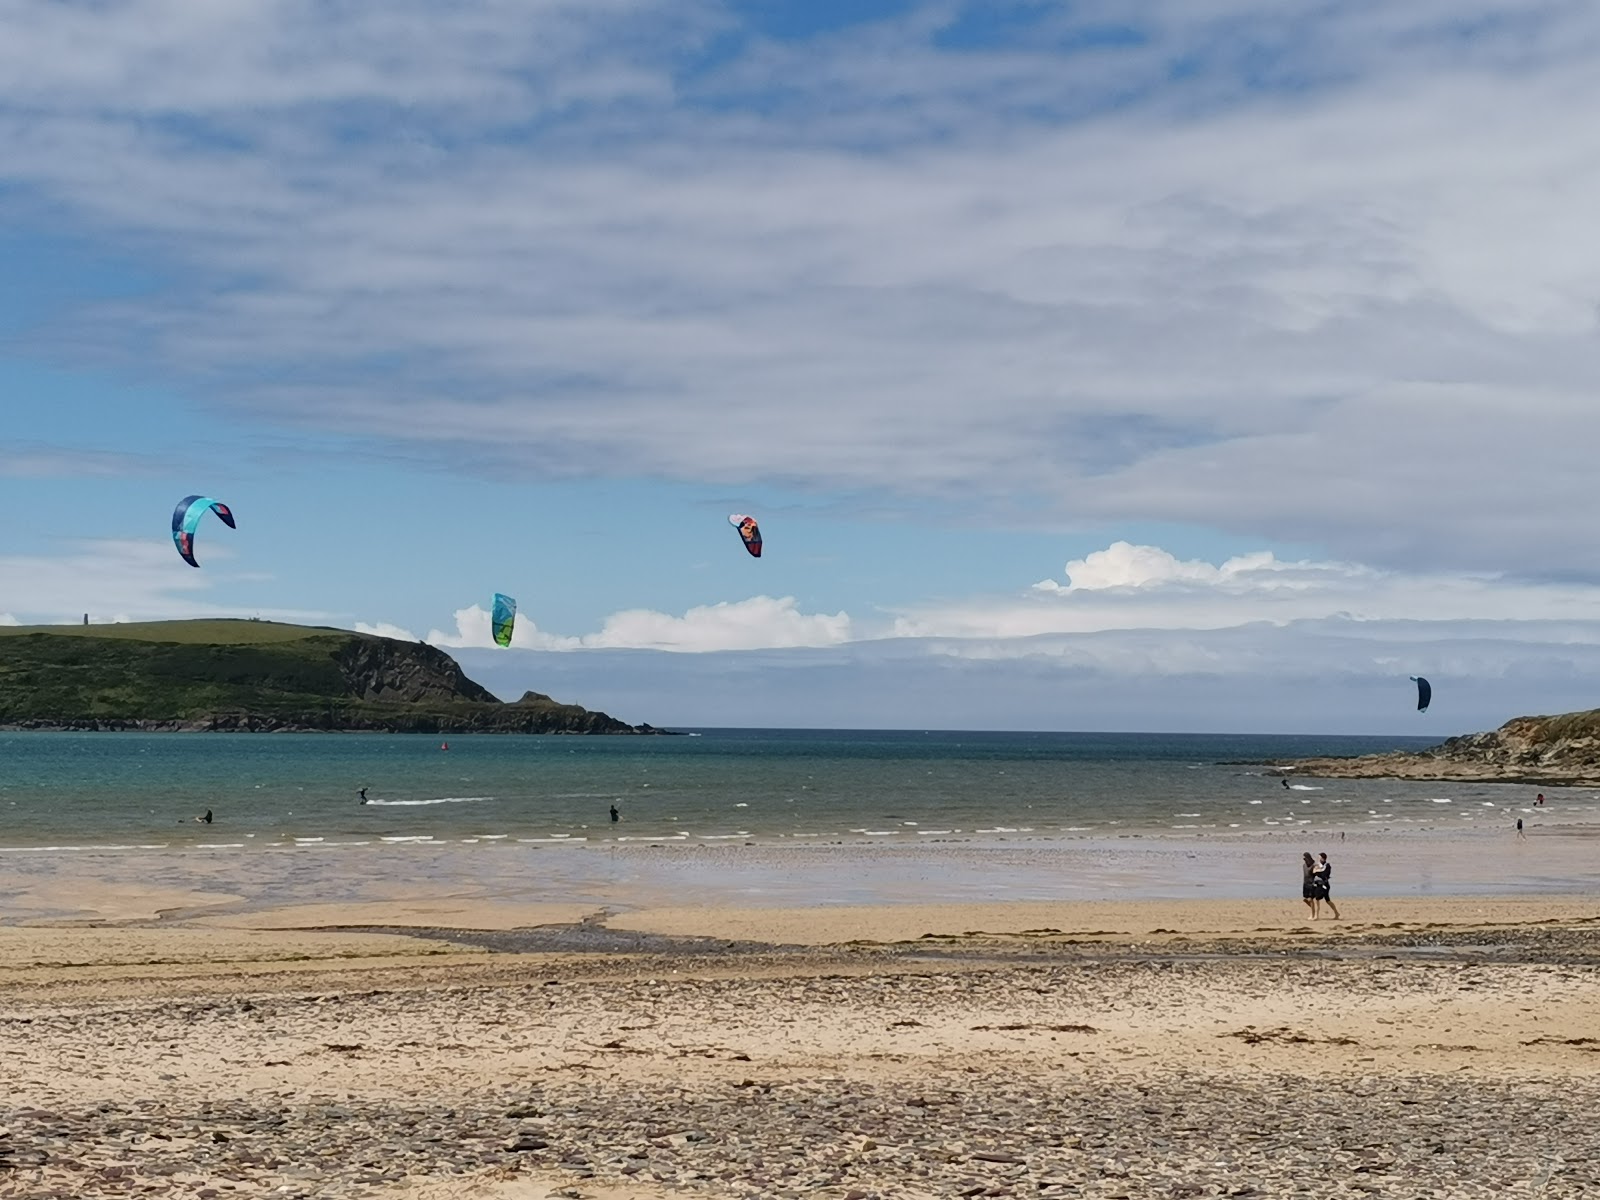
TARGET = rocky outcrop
x,y
1560,751
395,672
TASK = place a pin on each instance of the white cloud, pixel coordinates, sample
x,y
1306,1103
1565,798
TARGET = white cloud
x,y
1335,285
761,622
1127,587
1125,565
117,580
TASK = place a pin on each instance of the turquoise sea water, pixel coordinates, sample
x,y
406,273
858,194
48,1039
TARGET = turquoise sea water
x,y
63,792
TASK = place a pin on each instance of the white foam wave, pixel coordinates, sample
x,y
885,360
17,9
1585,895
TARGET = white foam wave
x,y
1304,787
438,800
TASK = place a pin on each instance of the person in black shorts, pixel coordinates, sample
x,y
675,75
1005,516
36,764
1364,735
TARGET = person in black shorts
x,y
1308,882
1323,875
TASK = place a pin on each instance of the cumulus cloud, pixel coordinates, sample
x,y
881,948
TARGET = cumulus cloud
x,y
1324,278
1123,565
761,622
1145,587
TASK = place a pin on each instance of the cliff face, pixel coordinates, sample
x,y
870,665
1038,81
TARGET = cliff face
x,y
394,672
257,676
1559,751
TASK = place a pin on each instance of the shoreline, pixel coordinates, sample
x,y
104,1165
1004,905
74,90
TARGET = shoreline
x,y
516,881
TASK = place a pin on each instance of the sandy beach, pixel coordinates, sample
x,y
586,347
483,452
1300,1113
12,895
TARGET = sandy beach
x,y
435,1049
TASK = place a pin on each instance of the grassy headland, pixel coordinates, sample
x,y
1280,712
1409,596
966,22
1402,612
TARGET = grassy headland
x,y
255,675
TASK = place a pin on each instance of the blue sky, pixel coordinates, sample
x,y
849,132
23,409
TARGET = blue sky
x,y
1182,349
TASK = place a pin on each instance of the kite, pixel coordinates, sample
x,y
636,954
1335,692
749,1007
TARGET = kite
x,y
186,519
749,531
505,616
1424,692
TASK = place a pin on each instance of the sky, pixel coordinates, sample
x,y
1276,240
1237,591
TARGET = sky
x,y
1163,364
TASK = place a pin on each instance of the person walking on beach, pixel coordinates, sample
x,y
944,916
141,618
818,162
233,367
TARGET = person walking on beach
x,y
1521,837
1324,877
1308,882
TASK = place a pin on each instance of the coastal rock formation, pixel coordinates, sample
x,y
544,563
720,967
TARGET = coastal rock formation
x,y
257,676
383,669
1558,751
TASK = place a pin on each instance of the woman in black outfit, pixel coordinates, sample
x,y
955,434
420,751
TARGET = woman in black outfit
x,y
1322,873
1308,882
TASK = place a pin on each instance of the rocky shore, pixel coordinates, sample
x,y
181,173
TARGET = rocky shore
x,y
1377,1062
1562,751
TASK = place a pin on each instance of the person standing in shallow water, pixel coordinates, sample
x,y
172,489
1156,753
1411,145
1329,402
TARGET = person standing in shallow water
x,y
1323,873
614,816
1308,882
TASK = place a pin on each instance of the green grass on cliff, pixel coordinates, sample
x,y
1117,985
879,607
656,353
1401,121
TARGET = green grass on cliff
x,y
176,670
252,674
231,632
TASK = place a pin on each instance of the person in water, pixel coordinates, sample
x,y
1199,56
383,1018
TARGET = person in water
x,y
1323,873
1285,782
362,792
614,816
206,820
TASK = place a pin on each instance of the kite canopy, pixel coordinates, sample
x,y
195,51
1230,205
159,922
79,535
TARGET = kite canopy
x,y
186,519
749,531
505,616
1424,692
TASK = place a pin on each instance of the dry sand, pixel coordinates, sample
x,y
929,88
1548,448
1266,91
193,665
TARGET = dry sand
x,y
1443,1047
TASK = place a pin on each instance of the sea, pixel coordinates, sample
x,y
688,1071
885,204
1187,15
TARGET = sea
x,y
65,791
103,826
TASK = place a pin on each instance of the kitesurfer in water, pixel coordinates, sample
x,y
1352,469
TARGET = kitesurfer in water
x,y
205,820
614,817
1285,781
362,792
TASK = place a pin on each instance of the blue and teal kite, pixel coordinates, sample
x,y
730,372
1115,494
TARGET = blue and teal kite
x,y
186,519
505,616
